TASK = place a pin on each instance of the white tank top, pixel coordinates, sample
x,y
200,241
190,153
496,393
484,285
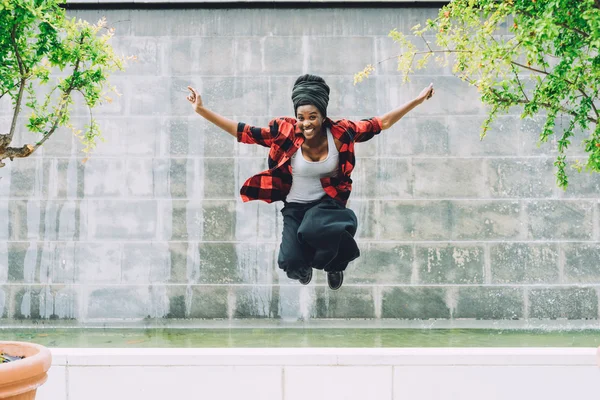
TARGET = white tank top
x,y
306,175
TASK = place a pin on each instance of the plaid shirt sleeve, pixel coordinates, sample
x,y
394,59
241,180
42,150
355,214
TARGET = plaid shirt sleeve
x,y
363,130
254,135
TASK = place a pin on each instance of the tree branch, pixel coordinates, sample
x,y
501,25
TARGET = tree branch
x,y
59,115
519,82
547,105
8,137
16,50
424,52
63,107
15,152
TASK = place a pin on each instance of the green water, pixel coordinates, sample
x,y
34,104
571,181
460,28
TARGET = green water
x,y
203,338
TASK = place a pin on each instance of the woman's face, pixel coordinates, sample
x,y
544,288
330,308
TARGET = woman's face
x,y
310,120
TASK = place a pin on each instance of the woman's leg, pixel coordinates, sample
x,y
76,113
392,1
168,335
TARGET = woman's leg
x,y
329,228
294,258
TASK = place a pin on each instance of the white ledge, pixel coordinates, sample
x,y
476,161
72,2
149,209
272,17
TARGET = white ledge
x,y
324,356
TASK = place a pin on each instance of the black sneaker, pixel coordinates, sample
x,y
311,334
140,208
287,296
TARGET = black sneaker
x,y
335,279
306,280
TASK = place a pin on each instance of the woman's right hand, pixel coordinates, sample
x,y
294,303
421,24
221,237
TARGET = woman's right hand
x,y
195,98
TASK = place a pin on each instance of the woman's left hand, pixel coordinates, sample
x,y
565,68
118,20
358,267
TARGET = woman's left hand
x,y
426,93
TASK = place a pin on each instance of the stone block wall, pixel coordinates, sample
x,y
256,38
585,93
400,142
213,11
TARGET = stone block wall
x,y
152,227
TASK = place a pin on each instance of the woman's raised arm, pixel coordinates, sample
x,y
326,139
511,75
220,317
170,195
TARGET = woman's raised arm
x,y
226,124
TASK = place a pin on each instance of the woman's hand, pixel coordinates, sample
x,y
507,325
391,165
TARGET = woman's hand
x,y
195,98
426,93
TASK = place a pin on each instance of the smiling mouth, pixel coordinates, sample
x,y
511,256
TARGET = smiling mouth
x,y
308,130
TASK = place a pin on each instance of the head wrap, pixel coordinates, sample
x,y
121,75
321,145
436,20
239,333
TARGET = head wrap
x,y
313,91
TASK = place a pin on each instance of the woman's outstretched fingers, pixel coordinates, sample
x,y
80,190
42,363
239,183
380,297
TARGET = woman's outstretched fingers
x,y
194,97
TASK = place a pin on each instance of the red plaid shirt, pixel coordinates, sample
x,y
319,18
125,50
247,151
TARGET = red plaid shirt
x,y
284,137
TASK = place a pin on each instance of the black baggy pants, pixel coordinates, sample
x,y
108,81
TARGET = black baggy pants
x,y
317,235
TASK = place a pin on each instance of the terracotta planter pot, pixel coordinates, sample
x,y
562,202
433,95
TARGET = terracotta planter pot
x,y
20,379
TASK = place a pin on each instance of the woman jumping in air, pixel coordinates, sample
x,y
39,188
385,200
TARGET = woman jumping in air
x,y
310,160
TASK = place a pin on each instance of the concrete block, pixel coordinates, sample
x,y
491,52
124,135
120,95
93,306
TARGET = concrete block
x,y
62,220
250,58
415,303
219,181
382,178
139,180
60,257
187,220
563,303
367,216
531,128
148,96
521,178
413,220
117,220
281,56
257,220
26,178
24,219
464,136
489,303
381,263
345,55
555,219
227,95
145,262
105,177
416,137
439,264
21,262
65,303
195,137
129,136
4,294
186,178
147,53
98,262
524,263
349,302
450,177
190,56
4,226
65,178
178,260
218,263
581,184
282,22
482,219
121,302
206,302
255,302
256,262
178,140
347,99
219,220
582,262
280,97
453,96
42,302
